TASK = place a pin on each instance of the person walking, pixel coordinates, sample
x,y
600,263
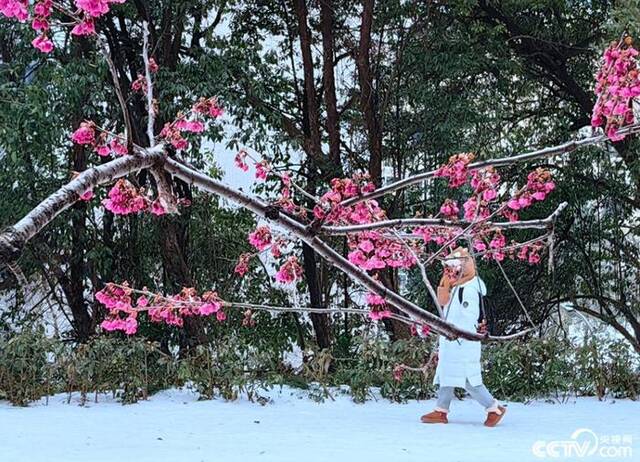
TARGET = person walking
x,y
460,294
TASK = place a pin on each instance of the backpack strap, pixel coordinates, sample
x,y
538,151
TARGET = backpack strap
x,y
460,294
481,313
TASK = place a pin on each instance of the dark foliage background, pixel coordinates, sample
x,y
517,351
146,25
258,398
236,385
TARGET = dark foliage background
x,y
430,79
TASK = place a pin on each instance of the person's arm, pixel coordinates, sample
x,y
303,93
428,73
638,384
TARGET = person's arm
x,y
444,290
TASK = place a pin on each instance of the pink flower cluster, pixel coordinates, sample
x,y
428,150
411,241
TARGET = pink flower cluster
x,y
449,209
371,250
122,315
173,309
262,170
17,9
85,27
40,23
285,198
330,210
379,315
617,84
87,9
203,109
124,198
96,8
208,107
242,267
103,144
530,253
378,307
123,312
241,160
485,182
436,234
493,245
539,185
260,238
290,271
456,169
476,208
374,299
140,83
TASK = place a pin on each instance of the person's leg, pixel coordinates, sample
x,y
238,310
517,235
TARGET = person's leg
x,y
495,411
482,396
445,395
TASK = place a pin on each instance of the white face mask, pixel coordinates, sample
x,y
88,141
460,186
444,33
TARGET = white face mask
x,y
453,263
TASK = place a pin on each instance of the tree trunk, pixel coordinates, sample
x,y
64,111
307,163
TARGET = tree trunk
x,y
368,93
328,80
177,275
320,321
72,281
313,149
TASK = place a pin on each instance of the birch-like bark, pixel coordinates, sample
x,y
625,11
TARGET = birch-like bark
x,y
305,234
13,239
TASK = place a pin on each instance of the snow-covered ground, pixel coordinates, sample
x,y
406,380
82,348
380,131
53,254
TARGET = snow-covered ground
x,y
174,426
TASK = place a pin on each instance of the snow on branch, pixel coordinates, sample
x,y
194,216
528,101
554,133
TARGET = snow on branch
x,y
563,148
442,223
346,209
13,239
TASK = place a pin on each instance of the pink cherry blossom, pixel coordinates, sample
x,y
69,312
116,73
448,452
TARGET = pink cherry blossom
x,y
87,195
456,169
242,267
96,8
40,24
118,148
262,169
157,208
103,151
290,271
260,238
124,198
449,209
617,83
86,27
240,160
379,315
209,308
375,299
43,43
86,134
15,9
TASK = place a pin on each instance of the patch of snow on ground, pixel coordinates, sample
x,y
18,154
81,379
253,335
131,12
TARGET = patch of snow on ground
x,y
174,426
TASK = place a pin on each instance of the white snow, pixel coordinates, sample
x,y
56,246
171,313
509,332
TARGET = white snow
x,y
174,426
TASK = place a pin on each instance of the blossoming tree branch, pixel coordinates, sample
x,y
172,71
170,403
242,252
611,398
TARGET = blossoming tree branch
x,y
348,208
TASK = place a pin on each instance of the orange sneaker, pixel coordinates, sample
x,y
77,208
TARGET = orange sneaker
x,y
435,417
493,417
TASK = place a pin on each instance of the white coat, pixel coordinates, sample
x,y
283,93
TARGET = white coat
x,y
459,360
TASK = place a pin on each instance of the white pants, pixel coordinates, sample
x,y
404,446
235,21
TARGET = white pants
x,y
479,393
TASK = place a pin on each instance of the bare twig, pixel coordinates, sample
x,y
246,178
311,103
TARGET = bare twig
x,y
442,223
165,194
299,230
540,153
